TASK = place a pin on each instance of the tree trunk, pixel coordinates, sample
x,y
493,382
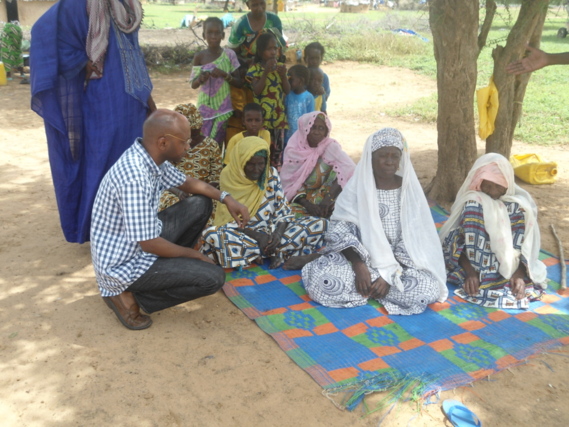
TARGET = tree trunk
x,y
511,89
454,25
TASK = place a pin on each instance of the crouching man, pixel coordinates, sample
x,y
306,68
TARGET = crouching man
x,y
144,259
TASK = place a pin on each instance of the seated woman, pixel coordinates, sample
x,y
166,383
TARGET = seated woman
x,y
202,161
272,231
382,242
315,168
491,240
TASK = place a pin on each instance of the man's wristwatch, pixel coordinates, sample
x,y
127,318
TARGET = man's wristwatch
x,y
223,195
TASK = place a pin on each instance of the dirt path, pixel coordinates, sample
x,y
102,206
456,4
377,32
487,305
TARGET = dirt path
x,y
67,361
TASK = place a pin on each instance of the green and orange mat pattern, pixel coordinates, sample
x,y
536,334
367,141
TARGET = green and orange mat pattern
x,y
353,352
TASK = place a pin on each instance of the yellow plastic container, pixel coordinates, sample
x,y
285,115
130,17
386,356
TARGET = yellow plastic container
x,y
533,169
3,80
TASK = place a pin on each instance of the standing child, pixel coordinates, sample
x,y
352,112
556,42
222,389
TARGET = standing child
x,y
268,81
313,56
240,97
253,124
317,89
299,101
214,70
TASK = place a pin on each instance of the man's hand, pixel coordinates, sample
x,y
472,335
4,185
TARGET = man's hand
x,y
534,61
164,248
239,212
199,256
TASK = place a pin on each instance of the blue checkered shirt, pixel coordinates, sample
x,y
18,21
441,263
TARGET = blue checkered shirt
x,y
125,213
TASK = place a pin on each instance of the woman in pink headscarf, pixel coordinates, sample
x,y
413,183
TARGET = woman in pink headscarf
x,y
491,240
315,168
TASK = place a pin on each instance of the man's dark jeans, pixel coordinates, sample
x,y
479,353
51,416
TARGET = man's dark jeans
x,y
172,281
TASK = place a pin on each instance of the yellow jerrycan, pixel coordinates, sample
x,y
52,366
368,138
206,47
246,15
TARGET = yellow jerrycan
x,y
533,169
2,74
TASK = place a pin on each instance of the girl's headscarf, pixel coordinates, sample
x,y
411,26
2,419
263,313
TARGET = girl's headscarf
x,y
300,159
190,112
358,204
233,179
496,218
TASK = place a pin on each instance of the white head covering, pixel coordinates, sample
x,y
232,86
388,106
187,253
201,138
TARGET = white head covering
x,y
497,220
358,204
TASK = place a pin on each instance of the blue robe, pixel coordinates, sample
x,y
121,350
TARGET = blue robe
x,y
87,128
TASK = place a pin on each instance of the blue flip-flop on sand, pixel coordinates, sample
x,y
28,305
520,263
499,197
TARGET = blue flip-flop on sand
x,y
459,415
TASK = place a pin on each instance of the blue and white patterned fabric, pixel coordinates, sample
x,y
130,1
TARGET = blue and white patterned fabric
x,y
330,280
125,213
232,248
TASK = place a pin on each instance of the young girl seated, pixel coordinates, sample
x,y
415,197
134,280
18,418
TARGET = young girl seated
x,y
272,232
268,81
299,101
214,69
253,123
491,240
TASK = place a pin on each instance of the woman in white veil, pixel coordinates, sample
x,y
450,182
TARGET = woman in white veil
x,y
491,240
381,242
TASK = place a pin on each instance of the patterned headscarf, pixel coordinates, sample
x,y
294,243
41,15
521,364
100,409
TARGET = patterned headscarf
x,y
190,112
387,137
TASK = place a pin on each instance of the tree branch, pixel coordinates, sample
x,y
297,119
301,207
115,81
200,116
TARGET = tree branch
x,y
487,24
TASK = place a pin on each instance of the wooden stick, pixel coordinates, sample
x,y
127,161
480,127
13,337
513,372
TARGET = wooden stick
x,y
563,281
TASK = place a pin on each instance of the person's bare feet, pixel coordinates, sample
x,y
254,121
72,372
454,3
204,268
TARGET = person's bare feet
x,y
297,262
127,311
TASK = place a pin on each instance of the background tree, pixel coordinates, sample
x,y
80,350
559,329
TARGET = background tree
x,y
454,25
511,89
457,44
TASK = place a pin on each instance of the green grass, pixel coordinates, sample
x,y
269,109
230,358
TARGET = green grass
x,y
368,38
545,116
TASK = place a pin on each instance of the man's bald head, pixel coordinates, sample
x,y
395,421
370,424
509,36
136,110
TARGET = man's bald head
x,y
160,122
164,135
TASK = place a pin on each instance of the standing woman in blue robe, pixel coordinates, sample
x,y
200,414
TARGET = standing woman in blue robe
x,y
91,86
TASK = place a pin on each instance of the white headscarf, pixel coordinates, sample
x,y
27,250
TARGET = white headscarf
x,y
358,204
497,220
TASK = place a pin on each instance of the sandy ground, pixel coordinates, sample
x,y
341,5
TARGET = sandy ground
x,y
66,360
